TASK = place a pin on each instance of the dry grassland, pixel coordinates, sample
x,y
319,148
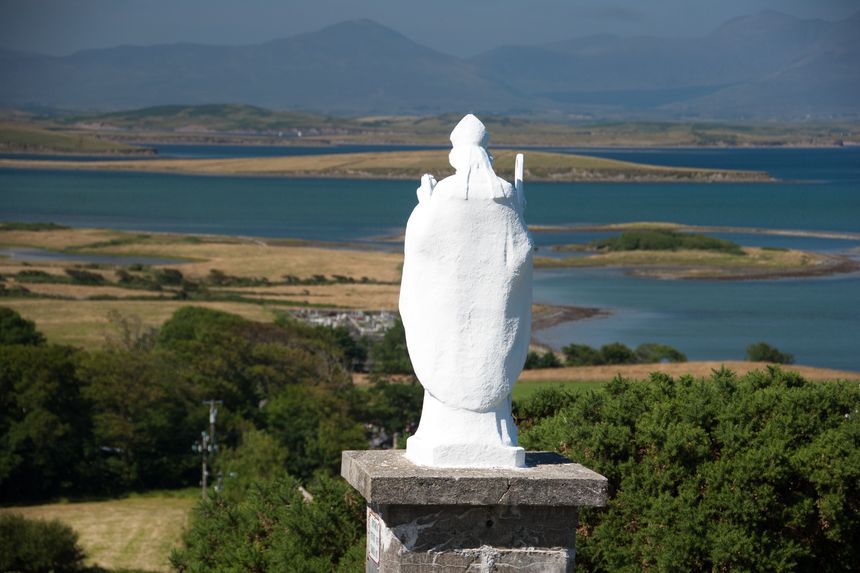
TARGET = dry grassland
x,y
245,257
701,369
273,262
85,292
358,296
60,239
402,164
133,533
85,322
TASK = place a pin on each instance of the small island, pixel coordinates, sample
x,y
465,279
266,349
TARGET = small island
x,y
666,253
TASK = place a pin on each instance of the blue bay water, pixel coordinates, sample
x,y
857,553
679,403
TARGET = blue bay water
x,y
815,319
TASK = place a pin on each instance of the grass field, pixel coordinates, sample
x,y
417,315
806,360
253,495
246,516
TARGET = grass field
x,y
699,369
77,313
134,533
26,137
539,166
85,323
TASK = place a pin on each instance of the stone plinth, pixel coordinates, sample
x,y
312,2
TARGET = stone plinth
x,y
471,519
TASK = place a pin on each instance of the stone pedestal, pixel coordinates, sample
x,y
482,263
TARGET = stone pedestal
x,y
423,519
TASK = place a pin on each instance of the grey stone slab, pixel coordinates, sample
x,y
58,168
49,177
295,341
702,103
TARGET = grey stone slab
x,y
482,560
500,538
386,477
436,529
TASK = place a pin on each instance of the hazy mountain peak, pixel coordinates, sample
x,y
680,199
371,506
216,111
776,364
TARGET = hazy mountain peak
x,y
765,23
744,67
354,39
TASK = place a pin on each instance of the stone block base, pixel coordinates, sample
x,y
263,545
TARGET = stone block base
x,y
424,539
422,519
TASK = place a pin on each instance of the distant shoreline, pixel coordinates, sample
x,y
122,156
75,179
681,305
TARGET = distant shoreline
x,y
837,235
146,144
406,165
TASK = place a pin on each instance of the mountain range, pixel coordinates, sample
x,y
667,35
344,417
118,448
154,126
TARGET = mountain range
x,y
767,65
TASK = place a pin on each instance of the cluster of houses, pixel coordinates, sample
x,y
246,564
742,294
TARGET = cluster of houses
x,y
361,323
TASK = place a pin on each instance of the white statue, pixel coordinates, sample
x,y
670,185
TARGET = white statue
x,y
465,300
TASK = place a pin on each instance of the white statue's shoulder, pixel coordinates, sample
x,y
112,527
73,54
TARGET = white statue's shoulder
x,y
507,187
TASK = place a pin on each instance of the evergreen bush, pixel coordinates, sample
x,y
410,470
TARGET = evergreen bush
x,y
32,545
760,473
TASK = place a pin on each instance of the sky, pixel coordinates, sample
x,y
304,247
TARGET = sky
x,y
458,27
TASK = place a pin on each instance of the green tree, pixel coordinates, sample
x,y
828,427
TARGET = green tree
x,y
246,363
354,350
44,422
36,546
258,457
545,360
195,323
651,352
549,360
617,353
314,424
390,355
143,417
581,355
275,528
532,360
17,330
764,352
394,407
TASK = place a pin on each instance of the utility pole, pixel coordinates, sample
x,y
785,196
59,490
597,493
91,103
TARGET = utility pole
x,y
207,446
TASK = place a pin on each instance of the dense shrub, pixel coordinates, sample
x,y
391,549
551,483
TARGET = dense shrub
x,y
30,545
83,277
390,355
617,353
44,422
275,528
258,457
544,403
665,240
545,360
394,407
764,352
169,277
17,330
144,416
651,353
581,355
315,425
760,473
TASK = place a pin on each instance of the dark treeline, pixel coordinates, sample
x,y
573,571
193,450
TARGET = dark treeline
x,y
122,418
647,353
614,353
